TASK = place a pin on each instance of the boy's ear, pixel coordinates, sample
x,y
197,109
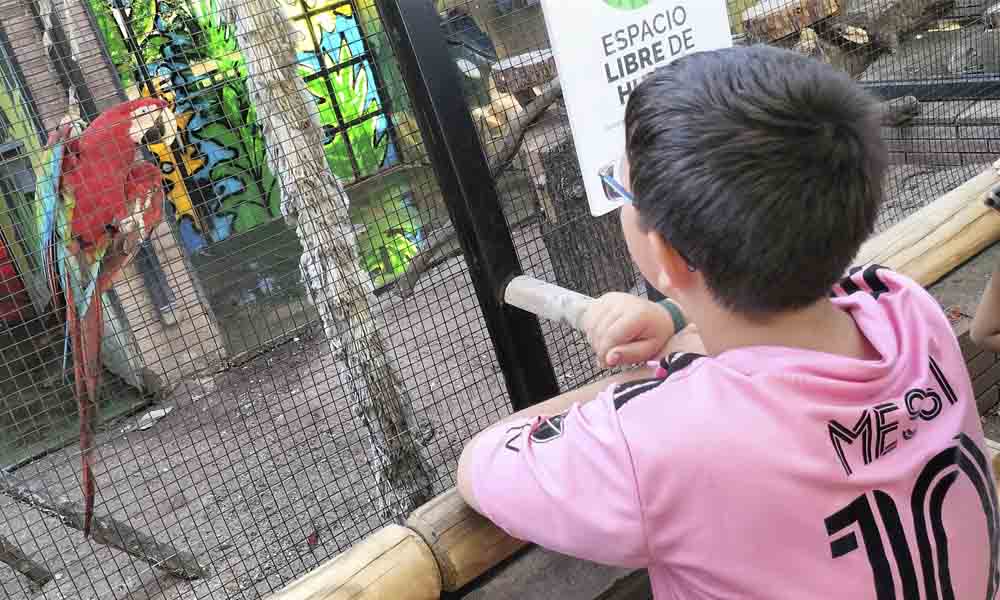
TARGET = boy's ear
x,y
672,269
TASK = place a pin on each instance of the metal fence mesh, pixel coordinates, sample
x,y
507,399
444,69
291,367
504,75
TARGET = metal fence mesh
x,y
227,431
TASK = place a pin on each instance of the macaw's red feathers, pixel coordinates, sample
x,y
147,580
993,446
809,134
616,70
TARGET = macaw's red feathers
x,y
85,337
117,200
98,166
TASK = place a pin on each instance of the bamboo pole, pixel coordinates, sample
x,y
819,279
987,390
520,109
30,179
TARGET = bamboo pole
x,y
939,237
391,564
465,543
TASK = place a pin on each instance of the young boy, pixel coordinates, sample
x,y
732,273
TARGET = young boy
x,y
822,444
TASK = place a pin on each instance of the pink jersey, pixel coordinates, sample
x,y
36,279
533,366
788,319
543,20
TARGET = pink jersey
x,y
771,472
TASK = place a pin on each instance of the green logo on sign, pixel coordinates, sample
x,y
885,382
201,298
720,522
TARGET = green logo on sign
x,y
626,4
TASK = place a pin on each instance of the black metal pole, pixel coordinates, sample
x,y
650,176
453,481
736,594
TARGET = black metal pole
x,y
432,80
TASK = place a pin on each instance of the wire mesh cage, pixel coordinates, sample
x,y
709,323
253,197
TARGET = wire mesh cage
x,y
932,62
236,435
303,271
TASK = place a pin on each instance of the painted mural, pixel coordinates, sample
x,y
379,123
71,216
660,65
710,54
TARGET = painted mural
x,y
218,180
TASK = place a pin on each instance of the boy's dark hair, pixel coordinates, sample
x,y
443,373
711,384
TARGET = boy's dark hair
x,y
760,166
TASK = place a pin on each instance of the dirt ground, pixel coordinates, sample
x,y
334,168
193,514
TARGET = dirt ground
x,y
260,470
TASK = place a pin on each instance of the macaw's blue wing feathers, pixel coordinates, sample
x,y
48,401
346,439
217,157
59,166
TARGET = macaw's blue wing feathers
x,y
50,190
50,205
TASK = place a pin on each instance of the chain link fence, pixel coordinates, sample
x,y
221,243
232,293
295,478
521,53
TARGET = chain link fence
x,y
265,399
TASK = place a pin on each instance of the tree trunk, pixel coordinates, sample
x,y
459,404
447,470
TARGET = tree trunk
x,y
588,254
314,201
104,529
22,563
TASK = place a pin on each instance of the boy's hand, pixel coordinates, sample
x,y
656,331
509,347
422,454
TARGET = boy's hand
x,y
625,329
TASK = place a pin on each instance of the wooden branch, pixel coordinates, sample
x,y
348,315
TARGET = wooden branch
x,y
524,71
392,563
22,563
888,21
511,143
899,111
406,284
939,237
769,21
464,542
105,530
421,262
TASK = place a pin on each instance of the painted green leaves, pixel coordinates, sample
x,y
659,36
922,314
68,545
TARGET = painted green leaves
x,y
626,4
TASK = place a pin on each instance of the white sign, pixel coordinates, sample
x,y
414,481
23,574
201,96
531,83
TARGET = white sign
x,y
603,49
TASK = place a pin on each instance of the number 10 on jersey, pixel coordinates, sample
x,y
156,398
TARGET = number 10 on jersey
x,y
926,502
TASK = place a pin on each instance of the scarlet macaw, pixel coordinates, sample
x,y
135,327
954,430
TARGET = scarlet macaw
x,y
101,198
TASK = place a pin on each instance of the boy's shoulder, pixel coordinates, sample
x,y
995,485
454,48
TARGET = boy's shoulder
x,y
881,282
896,297
671,371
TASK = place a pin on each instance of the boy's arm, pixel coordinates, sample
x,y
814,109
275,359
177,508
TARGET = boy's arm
x,y
985,331
686,340
624,329
565,481
553,406
560,474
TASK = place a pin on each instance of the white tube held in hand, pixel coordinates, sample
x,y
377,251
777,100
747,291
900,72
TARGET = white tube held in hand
x,y
547,300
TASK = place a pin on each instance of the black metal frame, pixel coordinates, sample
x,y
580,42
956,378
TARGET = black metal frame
x,y
452,144
970,87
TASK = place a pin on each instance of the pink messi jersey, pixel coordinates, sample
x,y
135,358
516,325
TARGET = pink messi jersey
x,y
771,472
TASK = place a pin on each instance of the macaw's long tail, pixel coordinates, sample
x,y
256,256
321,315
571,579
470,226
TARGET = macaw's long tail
x,y
86,337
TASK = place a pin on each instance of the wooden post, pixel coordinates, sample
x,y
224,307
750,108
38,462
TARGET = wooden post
x,y
22,563
465,543
391,564
105,530
315,202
